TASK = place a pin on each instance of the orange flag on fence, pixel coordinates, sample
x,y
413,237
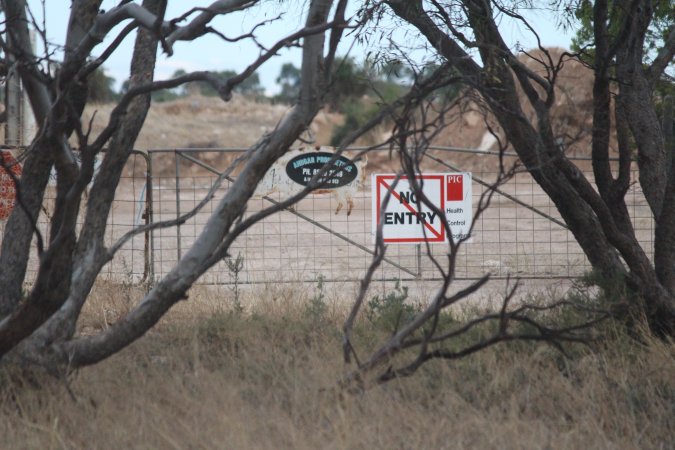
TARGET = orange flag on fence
x,y
7,187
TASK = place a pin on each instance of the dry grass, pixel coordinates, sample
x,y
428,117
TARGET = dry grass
x,y
208,378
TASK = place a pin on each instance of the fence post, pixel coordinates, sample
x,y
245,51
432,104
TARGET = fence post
x,y
148,250
418,254
178,247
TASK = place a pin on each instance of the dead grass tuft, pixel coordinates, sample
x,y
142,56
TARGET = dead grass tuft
x,y
209,377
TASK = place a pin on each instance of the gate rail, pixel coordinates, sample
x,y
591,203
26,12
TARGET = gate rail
x,y
132,206
521,234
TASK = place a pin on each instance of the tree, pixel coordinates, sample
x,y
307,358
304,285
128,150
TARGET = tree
x,y
250,86
362,90
466,35
289,82
40,324
349,80
100,87
655,36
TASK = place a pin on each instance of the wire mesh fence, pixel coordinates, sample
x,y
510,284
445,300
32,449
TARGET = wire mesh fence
x,y
521,234
130,210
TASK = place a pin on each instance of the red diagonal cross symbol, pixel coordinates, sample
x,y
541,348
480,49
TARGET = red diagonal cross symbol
x,y
438,235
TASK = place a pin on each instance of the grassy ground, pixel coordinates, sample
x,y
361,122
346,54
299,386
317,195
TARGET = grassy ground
x,y
208,377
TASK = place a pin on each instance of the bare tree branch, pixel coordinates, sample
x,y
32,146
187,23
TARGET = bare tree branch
x,y
380,249
173,287
198,26
106,21
664,57
103,57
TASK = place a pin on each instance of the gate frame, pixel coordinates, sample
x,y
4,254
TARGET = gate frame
x,y
416,274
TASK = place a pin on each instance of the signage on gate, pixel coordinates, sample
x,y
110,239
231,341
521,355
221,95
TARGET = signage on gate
x,y
289,175
304,166
406,219
7,187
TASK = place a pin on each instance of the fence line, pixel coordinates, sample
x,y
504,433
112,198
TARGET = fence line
x,y
520,235
132,207
530,240
295,213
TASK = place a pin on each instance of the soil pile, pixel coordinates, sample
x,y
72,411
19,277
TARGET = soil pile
x,y
198,122
572,112
208,122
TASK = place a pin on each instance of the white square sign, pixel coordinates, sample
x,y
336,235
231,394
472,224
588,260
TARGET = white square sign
x,y
407,221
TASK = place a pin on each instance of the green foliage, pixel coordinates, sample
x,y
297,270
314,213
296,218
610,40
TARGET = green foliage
x,y
358,90
234,267
394,71
316,309
391,311
349,80
362,102
289,82
357,113
100,87
373,85
584,36
663,17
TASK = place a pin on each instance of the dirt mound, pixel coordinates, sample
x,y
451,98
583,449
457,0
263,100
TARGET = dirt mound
x,y
199,121
208,122
572,112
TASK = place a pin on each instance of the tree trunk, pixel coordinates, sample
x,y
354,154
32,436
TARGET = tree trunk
x,y
15,251
90,253
173,287
599,222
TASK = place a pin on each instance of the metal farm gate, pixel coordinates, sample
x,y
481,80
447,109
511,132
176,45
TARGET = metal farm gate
x,y
520,235
130,209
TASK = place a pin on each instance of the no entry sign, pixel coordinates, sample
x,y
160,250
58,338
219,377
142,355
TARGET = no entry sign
x,y
407,220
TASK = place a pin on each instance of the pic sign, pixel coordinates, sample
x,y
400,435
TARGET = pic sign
x,y
407,221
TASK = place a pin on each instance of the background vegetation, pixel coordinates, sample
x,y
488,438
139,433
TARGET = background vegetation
x,y
358,90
